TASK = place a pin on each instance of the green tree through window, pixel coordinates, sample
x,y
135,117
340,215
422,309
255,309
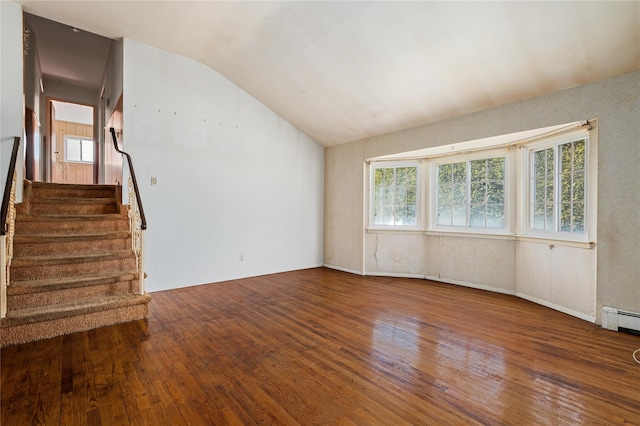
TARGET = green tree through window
x,y
395,196
471,193
558,187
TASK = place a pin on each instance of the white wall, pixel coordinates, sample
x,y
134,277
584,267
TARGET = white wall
x,y
11,97
578,280
112,78
233,177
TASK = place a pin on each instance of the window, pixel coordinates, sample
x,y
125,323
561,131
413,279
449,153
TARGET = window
x,y
394,200
78,149
558,181
471,193
536,184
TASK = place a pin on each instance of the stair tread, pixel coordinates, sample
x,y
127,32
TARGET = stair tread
x,y
35,286
51,312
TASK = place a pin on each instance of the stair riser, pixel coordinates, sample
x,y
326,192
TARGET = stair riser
x,y
72,209
38,331
71,227
54,297
70,247
38,272
64,192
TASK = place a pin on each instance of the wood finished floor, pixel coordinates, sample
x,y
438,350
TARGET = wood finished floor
x,y
325,347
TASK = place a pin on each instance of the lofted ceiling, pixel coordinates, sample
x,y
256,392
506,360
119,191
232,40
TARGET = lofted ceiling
x,y
346,70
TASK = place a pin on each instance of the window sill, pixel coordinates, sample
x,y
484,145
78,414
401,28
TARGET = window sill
x,y
489,236
556,242
464,234
394,230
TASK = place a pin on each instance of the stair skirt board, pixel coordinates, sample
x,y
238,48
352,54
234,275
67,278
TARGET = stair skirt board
x,y
25,332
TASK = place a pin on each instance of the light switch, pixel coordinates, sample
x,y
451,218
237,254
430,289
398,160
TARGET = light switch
x,y
154,180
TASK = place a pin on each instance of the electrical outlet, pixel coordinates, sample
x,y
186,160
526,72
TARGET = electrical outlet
x,y
241,258
396,256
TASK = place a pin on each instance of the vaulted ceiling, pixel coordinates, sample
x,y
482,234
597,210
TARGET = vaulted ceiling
x,y
346,70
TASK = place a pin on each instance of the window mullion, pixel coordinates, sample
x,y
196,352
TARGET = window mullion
x,y
557,203
468,194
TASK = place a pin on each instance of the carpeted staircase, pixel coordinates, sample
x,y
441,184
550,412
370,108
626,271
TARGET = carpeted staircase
x,y
73,267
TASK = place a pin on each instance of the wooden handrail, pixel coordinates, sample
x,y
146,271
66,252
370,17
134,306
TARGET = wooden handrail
x,y
4,210
143,220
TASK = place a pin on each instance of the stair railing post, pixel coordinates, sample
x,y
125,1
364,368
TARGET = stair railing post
x,y
137,233
3,279
137,219
141,261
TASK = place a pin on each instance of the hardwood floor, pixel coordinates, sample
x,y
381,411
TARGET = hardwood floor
x,y
325,347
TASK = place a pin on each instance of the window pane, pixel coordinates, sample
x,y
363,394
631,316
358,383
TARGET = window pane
x,y
73,150
571,181
539,163
495,193
405,216
565,188
579,151
548,196
459,216
394,197
459,172
578,187
459,193
444,215
565,217
495,216
444,173
495,168
549,160
538,216
444,194
87,151
478,170
566,160
578,218
477,216
540,186
548,213
478,194
471,191
401,196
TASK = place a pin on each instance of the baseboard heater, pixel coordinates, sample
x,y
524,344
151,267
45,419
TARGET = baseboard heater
x,y
619,320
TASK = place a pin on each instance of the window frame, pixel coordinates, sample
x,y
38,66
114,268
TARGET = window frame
x,y
373,166
434,163
81,139
529,188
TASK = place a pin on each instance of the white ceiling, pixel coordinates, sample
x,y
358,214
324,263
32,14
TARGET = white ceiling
x,y
64,111
343,70
75,57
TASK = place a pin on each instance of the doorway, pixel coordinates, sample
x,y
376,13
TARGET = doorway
x,y
73,148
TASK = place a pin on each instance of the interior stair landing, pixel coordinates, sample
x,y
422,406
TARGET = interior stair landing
x,y
73,267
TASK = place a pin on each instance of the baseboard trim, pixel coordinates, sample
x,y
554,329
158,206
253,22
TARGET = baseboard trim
x,y
471,285
340,268
556,307
392,274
